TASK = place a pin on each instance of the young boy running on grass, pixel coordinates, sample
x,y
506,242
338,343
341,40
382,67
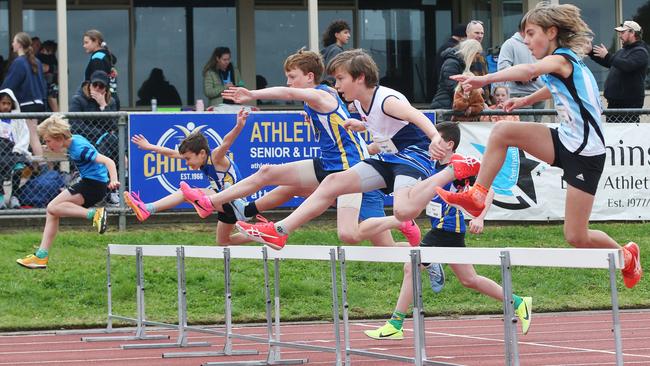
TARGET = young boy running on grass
x,y
220,170
558,37
448,230
98,175
340,150
402,134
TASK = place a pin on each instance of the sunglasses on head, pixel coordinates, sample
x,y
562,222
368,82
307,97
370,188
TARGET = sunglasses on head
x,y
476,22
98,85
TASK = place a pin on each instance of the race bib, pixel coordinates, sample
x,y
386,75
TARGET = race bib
x,y
385,145
434,209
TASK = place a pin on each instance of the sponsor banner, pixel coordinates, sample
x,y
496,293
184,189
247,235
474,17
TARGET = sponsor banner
x,y
529,189
267,138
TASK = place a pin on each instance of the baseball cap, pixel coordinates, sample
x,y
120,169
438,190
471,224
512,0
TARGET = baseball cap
x,y
628,25
99,76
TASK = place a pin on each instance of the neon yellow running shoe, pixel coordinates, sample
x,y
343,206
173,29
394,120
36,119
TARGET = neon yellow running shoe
x,y
387,331
525,313
99,220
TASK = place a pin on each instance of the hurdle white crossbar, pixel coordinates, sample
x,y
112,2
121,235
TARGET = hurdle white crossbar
x,y
610,259
536,257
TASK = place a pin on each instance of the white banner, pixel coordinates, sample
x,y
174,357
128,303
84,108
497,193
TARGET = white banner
x,y
528,189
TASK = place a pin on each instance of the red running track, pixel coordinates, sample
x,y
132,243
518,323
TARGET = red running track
x,y
554,339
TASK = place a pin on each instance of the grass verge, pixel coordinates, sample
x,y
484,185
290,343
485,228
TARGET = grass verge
x,y
71,293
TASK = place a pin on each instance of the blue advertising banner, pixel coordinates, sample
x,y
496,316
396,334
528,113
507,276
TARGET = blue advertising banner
x,y
267,138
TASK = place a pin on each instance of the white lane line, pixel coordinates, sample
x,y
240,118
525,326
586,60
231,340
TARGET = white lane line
x,y
520,342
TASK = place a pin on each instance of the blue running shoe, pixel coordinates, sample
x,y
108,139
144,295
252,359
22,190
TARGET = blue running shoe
x,y
436,276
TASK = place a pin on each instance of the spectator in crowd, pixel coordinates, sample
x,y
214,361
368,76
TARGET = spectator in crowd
x,y
101,59
25,79
479,66
14,148
624,87
469,101
514,52
36,45
500,94
458,35
47,56
218,75
335,37
455,61
157,87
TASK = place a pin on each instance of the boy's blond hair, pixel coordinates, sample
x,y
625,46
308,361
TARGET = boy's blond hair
x,y
306,61
55,126
356,63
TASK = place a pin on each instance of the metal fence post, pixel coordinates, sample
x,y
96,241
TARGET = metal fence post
x,y
121,166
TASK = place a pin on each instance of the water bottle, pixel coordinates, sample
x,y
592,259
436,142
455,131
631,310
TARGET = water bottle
x,y
199,105
154,104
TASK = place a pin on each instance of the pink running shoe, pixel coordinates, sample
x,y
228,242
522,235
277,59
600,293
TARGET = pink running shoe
x,y
133,200
465,167
198,199
263,232
411,231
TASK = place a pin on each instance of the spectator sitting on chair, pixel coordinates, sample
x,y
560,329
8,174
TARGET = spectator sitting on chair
x,y
624,87
14,147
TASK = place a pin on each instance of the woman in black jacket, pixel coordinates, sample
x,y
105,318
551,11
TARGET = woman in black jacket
x,y
455,61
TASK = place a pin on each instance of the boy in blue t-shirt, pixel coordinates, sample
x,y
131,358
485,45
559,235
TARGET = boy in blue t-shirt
x,y
448,230
95,170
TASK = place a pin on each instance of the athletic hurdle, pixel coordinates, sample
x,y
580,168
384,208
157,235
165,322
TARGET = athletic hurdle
x,y
299,252
610,259
140,331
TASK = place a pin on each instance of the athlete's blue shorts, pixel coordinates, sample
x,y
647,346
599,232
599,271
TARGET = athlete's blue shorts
x,y
372,205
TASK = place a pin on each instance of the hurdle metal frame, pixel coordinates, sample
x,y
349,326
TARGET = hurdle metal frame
x,y
610,259
304,252
140,331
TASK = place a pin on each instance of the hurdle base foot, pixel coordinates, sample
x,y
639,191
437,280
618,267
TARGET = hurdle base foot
x,y
209,354
164,345
124,338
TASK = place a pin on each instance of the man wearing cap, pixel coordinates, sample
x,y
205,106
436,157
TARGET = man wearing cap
x,y
457,36
625,84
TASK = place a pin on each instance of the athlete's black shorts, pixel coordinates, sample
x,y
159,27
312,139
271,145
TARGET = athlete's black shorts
x,y
321,173
581,172
228,214
441,238
91,190
389,171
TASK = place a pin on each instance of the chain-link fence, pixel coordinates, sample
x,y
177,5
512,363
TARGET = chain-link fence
x,y
30,182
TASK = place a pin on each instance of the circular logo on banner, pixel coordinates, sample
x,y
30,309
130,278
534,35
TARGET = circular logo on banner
x,y
176,170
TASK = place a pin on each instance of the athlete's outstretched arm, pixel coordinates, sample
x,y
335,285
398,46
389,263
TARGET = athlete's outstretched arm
x,y
219,154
